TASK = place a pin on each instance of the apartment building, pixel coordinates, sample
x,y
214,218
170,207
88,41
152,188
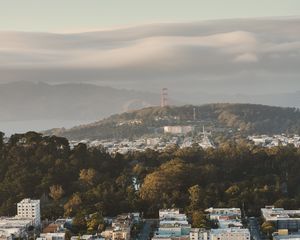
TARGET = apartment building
x,y
29,208
282,219
199,234
172,225
230,234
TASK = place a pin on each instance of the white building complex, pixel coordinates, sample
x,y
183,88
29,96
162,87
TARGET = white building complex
x,y
178,129
230,224
172,225
224,213
28,214
283,219
175,226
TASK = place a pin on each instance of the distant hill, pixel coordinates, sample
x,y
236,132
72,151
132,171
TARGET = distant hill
x,y
244,118
21,101
291,99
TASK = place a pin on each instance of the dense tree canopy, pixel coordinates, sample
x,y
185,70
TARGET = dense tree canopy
x,y
83,181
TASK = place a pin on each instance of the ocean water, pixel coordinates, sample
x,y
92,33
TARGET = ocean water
x,y
11,127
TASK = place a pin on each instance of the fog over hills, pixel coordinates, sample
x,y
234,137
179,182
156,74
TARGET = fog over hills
x,y
71,101
238,60
24,101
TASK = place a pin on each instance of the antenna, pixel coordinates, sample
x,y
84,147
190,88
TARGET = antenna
x,y
164,97
204,133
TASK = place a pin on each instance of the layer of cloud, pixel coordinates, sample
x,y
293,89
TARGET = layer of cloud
x,y
183,54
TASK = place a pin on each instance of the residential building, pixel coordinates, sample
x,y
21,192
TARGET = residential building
x,y
58,226
52,228
121,227
286,236
229,223
282,219
230,234
275,140
178,129
172,225
87,237
51,236
199,234
29,208
14,227
224,213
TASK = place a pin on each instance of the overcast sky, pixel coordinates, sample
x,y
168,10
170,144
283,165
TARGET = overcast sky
x,y
234,56
139,44
81,15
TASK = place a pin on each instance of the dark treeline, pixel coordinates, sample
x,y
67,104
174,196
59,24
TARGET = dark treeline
x,y
83,180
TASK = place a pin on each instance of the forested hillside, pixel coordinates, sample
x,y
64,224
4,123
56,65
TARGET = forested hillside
x,y
80,181
244,118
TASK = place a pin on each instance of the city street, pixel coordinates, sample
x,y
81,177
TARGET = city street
x,y
146,231
254,229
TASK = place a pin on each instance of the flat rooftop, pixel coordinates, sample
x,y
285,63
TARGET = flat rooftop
x,y
287,237
224,211
271,213
230,230
14,222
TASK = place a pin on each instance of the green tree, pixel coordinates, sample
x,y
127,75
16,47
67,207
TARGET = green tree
x,y
199,220
162,187
68,235
56,192
1,139
88,176
196,196
71,207
268,228
79,223
95,223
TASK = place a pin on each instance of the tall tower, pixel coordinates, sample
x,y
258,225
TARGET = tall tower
x,y
164,97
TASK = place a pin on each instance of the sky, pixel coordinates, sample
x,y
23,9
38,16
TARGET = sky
x,y
224,46
85,15
257,56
